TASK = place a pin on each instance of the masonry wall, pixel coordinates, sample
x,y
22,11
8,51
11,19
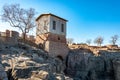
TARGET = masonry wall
x,y
8,40
9,37
50,37
58,49
54,44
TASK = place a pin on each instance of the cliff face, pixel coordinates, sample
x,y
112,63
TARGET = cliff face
x,y
84,65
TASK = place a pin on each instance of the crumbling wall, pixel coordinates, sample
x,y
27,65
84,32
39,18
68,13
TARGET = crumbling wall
x,y
9,37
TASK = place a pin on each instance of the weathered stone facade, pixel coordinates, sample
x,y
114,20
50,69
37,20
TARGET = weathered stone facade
x,y
54,44
53,40
57,49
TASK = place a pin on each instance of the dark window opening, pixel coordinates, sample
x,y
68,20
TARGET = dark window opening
x,y
60,57
58,38
54,25
62,27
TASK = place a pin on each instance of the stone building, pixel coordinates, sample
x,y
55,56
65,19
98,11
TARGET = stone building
x,y
51,32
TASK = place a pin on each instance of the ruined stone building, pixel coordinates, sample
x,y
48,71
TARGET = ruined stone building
x,y
51,32
13,37
9,37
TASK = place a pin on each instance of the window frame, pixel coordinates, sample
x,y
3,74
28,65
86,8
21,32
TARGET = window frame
x,y
62,27
54,25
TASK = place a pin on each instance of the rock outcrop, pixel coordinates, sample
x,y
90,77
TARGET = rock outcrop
x,y
25,62
3,74
85,65
116,67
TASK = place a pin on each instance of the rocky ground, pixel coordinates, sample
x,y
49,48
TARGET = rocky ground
x,y
23,62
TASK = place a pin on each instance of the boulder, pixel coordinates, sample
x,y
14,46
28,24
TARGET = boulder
x,y
43,75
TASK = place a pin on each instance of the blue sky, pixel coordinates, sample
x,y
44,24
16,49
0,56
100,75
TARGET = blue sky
x,y
87,19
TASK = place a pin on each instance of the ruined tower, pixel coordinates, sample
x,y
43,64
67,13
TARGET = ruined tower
x,y
51,32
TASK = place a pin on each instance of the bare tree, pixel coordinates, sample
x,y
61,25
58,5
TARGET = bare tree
x,y
89,41
41,34
98,41
19,17
70,40
114,39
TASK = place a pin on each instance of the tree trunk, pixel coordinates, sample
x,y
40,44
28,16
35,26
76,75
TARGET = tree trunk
x,y
24,37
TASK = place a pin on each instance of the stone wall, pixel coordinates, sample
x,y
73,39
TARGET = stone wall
x,y
9,37
50,37
57,38
58,49
54,44
8,40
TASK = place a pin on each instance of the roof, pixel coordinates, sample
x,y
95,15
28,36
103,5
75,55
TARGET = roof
x,y
51,15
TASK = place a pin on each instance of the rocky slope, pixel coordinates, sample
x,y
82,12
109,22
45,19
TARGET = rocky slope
x,y
23,62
